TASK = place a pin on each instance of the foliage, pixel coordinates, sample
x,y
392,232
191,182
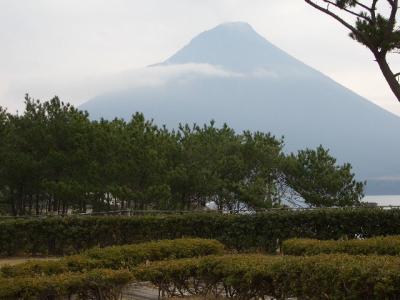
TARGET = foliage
x,y
45,157
389,245
99,284
116,257
50,236
98,273
55,160
316,177
128,256
230,169
281,277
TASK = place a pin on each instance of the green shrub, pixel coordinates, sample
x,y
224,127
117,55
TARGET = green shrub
x,y
75,263
56,236
99,284
129,256
117,257
389,245
247,276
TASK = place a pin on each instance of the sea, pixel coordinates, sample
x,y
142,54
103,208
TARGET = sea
x,y
383,200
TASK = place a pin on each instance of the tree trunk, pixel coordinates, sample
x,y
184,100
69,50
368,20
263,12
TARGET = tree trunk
x,y
389,75
37,204
13,204
30,204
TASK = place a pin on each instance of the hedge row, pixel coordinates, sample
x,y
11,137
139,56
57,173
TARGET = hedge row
x,y
99,284
55,236
389,245
257,276
116,257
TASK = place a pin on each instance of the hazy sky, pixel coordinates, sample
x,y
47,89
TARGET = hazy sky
x,y
63,47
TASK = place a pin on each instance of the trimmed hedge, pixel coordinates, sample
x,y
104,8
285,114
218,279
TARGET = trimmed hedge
x,y
251,276
129,256
55,236
116,257
389,245
99,284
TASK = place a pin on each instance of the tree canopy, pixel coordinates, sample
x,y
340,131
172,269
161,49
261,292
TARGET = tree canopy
x,y
316,177
54,159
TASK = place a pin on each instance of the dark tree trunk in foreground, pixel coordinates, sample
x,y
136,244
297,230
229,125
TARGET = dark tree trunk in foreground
x,y
389,76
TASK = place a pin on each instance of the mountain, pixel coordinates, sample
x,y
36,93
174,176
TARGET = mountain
x,y
234,46
232,74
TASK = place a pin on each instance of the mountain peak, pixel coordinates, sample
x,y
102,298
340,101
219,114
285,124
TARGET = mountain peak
x,y
236,26
234,46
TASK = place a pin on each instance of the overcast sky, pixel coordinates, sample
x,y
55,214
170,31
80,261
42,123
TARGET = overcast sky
x,y
63,47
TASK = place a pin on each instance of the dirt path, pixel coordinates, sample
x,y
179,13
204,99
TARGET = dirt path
x,y
138,291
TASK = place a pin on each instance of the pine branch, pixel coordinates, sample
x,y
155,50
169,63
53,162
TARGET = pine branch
x,y
363,5
373,9
354,30
358,15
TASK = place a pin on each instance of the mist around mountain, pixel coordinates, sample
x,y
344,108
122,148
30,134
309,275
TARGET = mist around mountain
x,y
231,74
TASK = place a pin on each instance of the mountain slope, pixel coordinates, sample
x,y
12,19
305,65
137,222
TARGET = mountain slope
x,y
232,74
235,46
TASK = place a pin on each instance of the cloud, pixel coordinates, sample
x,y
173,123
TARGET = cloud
x,y
161,74
80,89
157,75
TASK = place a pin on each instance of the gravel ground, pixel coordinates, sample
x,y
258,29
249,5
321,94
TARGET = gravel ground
x,y
146,291
138,291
